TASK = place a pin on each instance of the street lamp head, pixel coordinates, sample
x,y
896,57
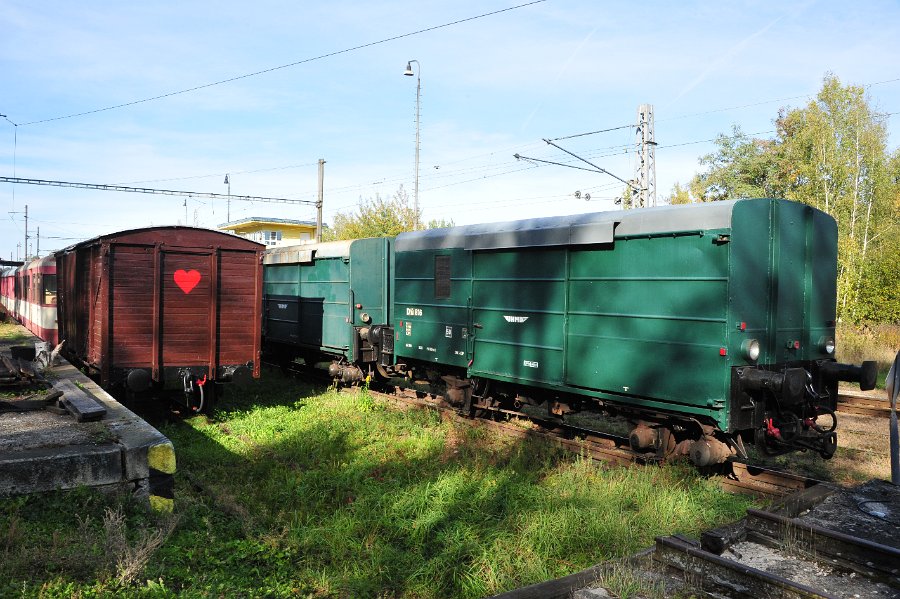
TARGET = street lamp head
x,y
409,71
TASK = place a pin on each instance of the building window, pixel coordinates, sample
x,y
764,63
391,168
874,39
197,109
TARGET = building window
x,y
271,237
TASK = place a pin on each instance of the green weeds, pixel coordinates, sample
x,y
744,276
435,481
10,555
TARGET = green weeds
x,y
78,542
294,491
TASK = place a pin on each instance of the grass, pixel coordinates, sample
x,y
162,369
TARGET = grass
x,y
294,491
51,543
11,332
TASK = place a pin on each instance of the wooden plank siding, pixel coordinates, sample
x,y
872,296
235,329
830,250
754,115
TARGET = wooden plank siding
x,y
131,309
236,291
162,297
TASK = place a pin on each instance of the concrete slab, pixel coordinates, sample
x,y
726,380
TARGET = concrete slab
x,y
43,451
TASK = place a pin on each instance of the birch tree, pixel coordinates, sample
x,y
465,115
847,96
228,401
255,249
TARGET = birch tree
x,y
830,154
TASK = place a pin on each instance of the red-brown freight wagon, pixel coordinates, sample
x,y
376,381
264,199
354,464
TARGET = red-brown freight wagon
x,y
163,307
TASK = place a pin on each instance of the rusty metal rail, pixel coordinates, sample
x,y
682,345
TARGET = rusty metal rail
x,y
863,405
753,480
865,557
735,578
734,477
778,553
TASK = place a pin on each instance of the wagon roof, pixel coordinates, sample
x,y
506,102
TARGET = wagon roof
x,y
33,264
173,236
577,229
293,254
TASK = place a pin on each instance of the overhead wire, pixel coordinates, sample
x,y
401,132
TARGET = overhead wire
x,y
259,170
286,66
624,148
666,146
715,110
528,168
567,161
593,132
486,168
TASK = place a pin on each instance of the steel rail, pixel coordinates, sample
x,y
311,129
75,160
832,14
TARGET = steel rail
x,y
863,405
734,477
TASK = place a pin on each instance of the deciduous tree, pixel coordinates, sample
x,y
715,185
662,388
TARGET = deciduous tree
x,y
379,217
830,154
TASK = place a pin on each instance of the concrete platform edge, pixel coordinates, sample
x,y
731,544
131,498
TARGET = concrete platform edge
x,y
132,455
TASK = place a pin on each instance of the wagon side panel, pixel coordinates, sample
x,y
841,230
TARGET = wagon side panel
x,y
432,304
239,307
325,304
91,284
369,259
131,306
648,317
519,305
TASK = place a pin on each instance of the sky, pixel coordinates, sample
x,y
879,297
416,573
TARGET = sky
x,y
303,81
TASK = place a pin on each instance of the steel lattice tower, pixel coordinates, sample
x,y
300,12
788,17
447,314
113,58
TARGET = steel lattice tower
x,y
645,176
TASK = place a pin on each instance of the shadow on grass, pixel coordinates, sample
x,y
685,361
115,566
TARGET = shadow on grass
x,y
331,508
295,491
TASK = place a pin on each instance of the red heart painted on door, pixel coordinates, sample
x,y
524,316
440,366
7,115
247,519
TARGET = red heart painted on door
x,y
187,279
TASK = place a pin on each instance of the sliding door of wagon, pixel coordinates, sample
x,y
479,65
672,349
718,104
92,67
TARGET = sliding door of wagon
x,y
518,313
187,310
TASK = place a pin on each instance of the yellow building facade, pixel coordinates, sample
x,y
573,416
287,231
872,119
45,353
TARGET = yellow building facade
x,y
272,231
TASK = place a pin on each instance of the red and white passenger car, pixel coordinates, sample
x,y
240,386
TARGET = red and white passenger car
x,y
28,294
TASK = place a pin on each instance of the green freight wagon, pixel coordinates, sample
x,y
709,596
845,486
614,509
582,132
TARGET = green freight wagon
x,y
705,324
327,303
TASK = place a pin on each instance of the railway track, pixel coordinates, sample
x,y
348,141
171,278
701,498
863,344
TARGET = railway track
x,y
734,477
814,540
820,543
794,548
863,405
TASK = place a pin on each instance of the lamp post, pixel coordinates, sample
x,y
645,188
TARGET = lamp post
x,y
228,209
418,73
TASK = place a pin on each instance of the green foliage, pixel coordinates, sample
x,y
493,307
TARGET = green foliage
x,y
738,169
376,217
439,223
379,217
292,491
878,299
830,154
679,195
